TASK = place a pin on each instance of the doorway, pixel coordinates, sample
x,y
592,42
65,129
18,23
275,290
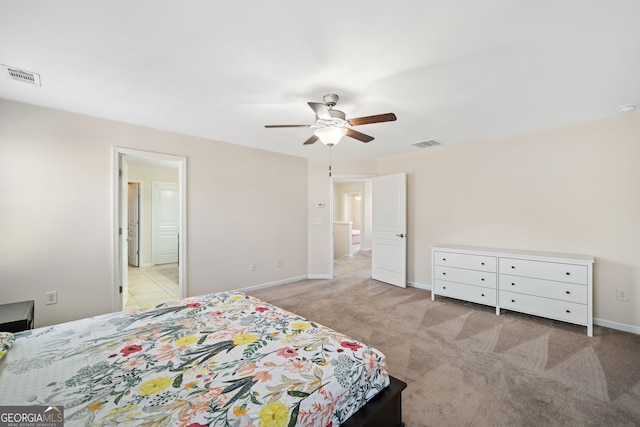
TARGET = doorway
x,y
384,224
144,168
351,219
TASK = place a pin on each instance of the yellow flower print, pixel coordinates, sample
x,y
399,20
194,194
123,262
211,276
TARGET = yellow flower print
x,y
131,409
274,414
190,385
300,326
245,339
188,340
154,386
236,298
239,411
96,406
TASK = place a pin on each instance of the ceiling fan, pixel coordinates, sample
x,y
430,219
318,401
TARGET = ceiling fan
x,y
331,125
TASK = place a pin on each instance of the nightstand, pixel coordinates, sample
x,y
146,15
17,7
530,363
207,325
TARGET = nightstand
x,y
16,317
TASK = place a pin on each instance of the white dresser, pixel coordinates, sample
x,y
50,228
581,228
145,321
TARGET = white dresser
x,y
556,286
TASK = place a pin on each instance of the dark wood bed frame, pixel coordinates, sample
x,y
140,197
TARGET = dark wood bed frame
x,y
383,410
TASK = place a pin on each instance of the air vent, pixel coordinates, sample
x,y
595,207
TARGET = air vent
x,y
425,144
21,75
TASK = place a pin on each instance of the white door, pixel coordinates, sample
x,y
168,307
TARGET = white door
x,y
134,223
389,251
165,218
123,230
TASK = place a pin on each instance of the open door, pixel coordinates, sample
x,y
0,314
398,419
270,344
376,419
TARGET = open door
x,y
165,218
134,223
123,230
389,250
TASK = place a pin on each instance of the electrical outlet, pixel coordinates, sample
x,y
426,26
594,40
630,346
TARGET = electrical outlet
x,y
252,267
278,263
622,295
51,297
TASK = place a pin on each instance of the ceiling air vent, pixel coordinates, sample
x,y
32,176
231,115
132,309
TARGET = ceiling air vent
x,y
425,144
21,75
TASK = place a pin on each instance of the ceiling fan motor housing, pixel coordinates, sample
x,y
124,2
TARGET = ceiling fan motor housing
x,y
330,100
338,119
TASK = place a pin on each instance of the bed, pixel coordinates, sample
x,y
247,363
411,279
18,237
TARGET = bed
x,y
223,359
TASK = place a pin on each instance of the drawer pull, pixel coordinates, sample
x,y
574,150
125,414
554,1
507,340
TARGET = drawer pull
x,y
444,259
482,279
444,274
482,263
567,273
513,266
568,311
513,284
444,287
567,292
513,300
482,294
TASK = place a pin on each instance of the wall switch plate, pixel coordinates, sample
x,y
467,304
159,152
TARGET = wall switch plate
x,y
622,294
51,297
278,263
252,267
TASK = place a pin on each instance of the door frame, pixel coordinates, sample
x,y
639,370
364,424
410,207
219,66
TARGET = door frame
x,y
158,160
332,182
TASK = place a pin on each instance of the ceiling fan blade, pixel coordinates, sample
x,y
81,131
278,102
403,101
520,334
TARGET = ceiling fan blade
x,y
378,118
311,140
287,126
321,110
359,135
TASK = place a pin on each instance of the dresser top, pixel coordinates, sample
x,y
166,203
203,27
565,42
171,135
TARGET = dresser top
x,y
505,253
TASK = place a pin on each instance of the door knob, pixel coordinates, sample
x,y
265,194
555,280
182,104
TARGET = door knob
x,y
400,235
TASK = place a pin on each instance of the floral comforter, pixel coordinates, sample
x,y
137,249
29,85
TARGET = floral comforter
x,y
224,359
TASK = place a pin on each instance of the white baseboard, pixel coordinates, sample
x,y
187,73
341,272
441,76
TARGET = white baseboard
x,y
272,284
419,286
617,325
319,276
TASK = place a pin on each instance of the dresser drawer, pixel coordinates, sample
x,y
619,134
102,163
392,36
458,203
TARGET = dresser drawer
x,y
544,270
466,292
539,306
469,277
471,262
544,288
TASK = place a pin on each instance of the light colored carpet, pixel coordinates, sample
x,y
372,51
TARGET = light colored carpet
x,y
465,366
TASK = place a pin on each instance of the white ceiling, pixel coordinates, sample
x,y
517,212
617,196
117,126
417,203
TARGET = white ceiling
x,y
454,71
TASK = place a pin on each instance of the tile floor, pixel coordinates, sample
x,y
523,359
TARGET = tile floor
x,y
150,286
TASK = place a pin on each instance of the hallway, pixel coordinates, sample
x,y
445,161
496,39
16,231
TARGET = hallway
x,y
151,286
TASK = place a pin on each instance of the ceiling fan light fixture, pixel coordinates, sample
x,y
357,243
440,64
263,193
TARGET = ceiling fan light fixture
x,y
330,136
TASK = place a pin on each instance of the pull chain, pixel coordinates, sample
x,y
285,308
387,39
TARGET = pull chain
x,y
330,147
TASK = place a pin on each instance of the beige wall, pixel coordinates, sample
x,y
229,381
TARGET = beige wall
x,y
146,176
360,222
574,189
56,210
